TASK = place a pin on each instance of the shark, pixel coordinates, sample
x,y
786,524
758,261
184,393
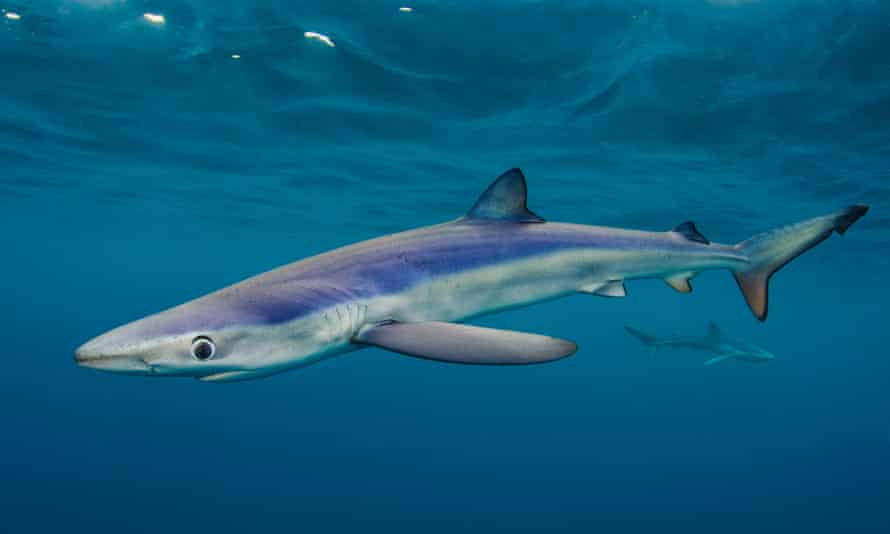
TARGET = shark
x,y
414,292
714,342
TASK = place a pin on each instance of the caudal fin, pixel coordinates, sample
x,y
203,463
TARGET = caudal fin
x,y
770,251
647,339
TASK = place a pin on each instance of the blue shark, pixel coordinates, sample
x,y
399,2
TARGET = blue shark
x,y
715,341
412,292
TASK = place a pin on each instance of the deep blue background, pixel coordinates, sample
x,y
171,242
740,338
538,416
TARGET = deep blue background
x,y
143,166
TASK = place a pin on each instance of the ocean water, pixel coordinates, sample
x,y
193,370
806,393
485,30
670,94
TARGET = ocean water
x,y
143,165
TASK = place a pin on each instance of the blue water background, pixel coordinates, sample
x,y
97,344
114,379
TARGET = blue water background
x,y
143,166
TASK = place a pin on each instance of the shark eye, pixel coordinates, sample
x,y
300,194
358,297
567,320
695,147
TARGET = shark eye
x,y
203,348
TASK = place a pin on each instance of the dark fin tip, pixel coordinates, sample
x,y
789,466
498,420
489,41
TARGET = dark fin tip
x,y
850,216
690,232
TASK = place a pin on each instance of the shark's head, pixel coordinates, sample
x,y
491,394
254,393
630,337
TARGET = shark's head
x,y
230,335
765,355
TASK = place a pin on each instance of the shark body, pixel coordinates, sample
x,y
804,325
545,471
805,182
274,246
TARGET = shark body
x,y
714,342
409,292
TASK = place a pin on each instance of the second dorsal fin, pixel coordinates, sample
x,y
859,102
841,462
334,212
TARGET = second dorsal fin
x,y
504,201
690,232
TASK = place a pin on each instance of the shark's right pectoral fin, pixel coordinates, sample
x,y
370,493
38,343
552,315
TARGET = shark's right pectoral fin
x,y
718,359
458,343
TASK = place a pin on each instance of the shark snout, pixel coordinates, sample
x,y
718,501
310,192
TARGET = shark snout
x,y
100,353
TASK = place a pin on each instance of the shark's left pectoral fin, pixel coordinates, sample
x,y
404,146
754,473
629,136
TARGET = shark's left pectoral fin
x,y
459,343
239,376
718,359
230,376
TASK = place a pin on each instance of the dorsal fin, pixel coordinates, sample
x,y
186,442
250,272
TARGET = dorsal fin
x,y
690,232
504,200
713,330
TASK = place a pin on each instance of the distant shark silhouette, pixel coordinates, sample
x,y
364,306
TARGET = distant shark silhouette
x,y
715,341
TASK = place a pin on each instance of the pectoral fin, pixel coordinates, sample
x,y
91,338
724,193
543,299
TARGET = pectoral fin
x,y
458,343
229,376
238,376
718,359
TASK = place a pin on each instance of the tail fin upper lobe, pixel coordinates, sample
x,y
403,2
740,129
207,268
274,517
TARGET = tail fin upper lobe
x,y
770,251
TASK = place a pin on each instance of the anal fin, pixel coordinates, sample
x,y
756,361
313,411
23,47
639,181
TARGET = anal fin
x,y
680,282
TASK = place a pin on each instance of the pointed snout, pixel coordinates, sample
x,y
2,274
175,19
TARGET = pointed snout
x,y
766,356
104,354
